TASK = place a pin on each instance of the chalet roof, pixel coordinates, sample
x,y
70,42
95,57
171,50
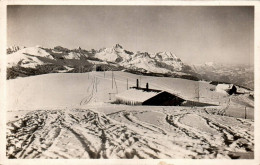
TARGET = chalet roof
x,y
137,95
224,88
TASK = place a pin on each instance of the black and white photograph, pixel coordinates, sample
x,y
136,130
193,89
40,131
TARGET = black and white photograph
x,y
130,82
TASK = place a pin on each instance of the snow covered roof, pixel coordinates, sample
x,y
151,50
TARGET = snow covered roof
x,y
136,95
223,88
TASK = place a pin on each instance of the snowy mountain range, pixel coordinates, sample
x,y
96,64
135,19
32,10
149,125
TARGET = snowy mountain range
x,y
79,60
239,74
26,61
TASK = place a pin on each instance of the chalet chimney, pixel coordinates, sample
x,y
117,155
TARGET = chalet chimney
x,y
147,86
137,83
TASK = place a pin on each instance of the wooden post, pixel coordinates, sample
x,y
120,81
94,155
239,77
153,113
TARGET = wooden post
x,y
116,85
112,79
245,113
127,83
140,79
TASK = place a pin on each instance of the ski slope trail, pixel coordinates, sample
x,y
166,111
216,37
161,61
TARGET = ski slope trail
x,y
86,133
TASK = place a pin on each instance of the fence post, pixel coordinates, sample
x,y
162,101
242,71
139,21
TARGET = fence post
x,y
96,83
127,83
112,79
245,113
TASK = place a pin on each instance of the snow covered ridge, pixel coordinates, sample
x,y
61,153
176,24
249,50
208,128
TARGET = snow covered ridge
x,y
238,74
27,61
143,60
116,54
14,48
106,58
27,57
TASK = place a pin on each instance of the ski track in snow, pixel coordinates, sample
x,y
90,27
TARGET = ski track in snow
x,y
84,133
113,131
90,92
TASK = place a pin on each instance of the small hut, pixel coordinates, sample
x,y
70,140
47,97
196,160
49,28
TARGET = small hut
x,y
134,96
139,96
226,89
146,96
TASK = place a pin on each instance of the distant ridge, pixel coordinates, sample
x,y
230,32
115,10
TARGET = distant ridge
x,y
28,61
61,59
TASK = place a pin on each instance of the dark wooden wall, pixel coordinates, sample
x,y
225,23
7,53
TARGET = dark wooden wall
x,y
164,99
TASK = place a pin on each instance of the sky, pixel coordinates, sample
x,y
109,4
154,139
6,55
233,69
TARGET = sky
x,y
196,34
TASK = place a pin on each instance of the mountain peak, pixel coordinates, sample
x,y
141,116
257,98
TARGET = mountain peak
x,y
209,63
118,46
14,48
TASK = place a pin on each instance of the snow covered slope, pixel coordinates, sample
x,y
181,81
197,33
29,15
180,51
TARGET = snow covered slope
x,y
162,62
143,62
14,48
114,58
169,59
114,54
28,57
237,74
120,133
73,113
72,55
117,58
78,89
